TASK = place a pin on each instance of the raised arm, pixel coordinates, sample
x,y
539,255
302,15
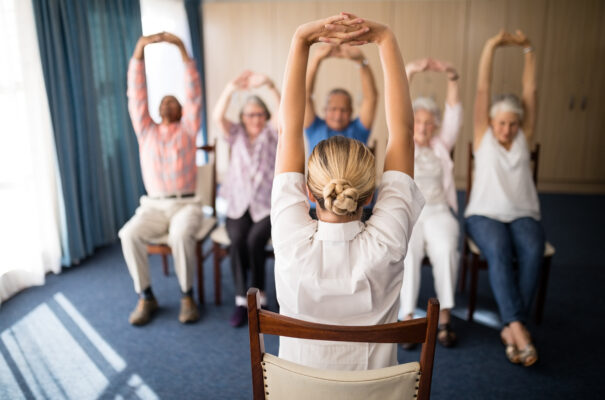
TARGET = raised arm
x,y
220,109
452,115
368,85
138,107
290,146
398,106
320,54
529,96
484,79
257,80
416,66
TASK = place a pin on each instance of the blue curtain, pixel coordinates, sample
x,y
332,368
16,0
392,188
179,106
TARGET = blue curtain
x,y
194,17
85,46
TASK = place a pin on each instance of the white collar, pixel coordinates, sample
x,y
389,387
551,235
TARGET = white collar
x,y
339,231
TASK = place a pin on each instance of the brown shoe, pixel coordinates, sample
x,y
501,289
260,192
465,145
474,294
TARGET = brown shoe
x,y
143,311
189,312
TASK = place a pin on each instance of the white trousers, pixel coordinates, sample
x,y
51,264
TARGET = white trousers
x,y
436,235
180,219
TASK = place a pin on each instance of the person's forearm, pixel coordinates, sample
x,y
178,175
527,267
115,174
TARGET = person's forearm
x,y
312,74
368,87
184,54
398,107
222,104
529,74
453,96
484,77
138,53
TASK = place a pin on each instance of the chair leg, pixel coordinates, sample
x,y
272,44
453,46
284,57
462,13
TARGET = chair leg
x,y
200,273
216,250
463,268
472,294
541,296
165,264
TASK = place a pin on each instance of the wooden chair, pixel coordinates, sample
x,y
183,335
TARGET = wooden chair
x,y
206,192
274,378
471,255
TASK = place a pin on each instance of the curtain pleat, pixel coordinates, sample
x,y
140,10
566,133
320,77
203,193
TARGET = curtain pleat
x,y
85,46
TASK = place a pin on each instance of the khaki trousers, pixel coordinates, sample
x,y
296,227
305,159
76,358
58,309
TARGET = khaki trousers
x,y
180,219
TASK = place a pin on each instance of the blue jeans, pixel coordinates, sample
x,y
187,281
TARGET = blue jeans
x,y
521,240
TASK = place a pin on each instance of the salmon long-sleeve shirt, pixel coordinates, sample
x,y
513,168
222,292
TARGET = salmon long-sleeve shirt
x,y
167,152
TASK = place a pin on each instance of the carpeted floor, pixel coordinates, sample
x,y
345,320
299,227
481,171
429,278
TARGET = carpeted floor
x,y
71,339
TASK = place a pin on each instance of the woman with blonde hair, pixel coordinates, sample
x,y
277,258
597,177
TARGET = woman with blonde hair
x,y
436,232
247,188
503,214
338,270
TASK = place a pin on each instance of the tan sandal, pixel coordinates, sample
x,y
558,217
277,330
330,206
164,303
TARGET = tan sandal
x,y
529,355
511,351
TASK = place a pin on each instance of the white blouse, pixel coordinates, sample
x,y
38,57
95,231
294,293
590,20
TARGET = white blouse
x,y
341,273
503,187
428,174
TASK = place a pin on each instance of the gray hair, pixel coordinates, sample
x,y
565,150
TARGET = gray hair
x,y
429,105
342,91
506,103
254,99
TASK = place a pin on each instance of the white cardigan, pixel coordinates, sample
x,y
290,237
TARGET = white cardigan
x,y
341,273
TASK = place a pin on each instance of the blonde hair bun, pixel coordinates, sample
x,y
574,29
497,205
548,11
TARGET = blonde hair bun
x,y
340,197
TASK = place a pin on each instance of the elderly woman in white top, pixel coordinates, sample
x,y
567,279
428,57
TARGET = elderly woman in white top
x,y
503,214
338,270
436,232
247,188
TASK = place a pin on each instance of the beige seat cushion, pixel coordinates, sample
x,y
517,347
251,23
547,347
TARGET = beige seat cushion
x,y
208,223
549,249
287,380
220,236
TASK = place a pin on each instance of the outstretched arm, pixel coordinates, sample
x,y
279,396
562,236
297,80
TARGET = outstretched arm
x,y
220,109
368,85
137,86
484,79
290,146
320,54
452,115
398,106
529,96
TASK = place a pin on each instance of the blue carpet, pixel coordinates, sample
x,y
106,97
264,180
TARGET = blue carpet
x,y
71,339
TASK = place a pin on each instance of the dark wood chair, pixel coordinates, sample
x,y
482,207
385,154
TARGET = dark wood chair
x,y
274,378
471,255
206,192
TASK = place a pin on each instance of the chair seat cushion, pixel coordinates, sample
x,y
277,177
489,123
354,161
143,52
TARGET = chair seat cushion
x,y
549,249
287,380
208,223
220,236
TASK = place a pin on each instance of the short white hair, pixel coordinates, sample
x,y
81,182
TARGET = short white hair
x,y
429,105
507,103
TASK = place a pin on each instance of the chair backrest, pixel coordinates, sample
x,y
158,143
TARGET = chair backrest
x,y
341,384
534,157
206,178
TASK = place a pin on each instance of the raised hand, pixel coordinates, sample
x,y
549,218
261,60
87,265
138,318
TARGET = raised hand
x,y
520,39
415,66
241,82
257,80
335,30
171,38
324,51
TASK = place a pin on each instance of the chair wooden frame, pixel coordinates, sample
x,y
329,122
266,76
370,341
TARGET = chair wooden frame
x,y
421,330
164,250
476,263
